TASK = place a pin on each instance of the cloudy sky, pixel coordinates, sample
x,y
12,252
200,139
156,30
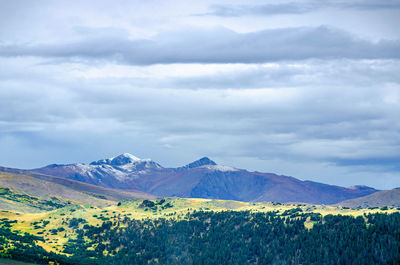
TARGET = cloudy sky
x,y
309,89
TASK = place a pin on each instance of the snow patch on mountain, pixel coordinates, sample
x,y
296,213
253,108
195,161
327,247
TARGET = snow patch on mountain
x,y
83,169
220,168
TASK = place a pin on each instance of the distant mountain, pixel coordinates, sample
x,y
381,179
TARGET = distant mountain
x,y
112,172
377,199
202,179
47,188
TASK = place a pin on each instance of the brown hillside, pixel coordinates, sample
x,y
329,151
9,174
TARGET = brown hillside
x,y
45,187
377,199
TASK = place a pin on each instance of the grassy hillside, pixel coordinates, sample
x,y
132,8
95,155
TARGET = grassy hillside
x,y
62,231
54,189
378,199
56,228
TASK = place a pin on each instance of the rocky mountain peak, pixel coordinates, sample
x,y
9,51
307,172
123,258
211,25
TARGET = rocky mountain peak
x,y
201,162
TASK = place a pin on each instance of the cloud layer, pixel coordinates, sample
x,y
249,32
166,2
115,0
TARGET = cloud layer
x,y
309,99
217,46
299,7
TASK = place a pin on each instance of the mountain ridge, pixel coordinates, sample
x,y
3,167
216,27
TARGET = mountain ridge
x,y
202,178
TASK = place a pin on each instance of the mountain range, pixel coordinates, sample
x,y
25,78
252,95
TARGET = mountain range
x,y
201,179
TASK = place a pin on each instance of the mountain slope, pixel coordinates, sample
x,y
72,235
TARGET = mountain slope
x,y
377,199
248,186
49,187
202,179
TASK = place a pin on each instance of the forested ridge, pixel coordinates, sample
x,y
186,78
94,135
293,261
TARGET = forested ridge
x,y
229,237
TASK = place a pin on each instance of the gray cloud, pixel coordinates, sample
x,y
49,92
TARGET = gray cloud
x,y
218,46
319,119
298,7
83,82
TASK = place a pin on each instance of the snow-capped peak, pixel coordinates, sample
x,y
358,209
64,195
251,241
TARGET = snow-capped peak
x,y
121,167
125,158
122,159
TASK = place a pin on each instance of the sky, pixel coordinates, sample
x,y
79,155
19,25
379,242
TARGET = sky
x,y
309,89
